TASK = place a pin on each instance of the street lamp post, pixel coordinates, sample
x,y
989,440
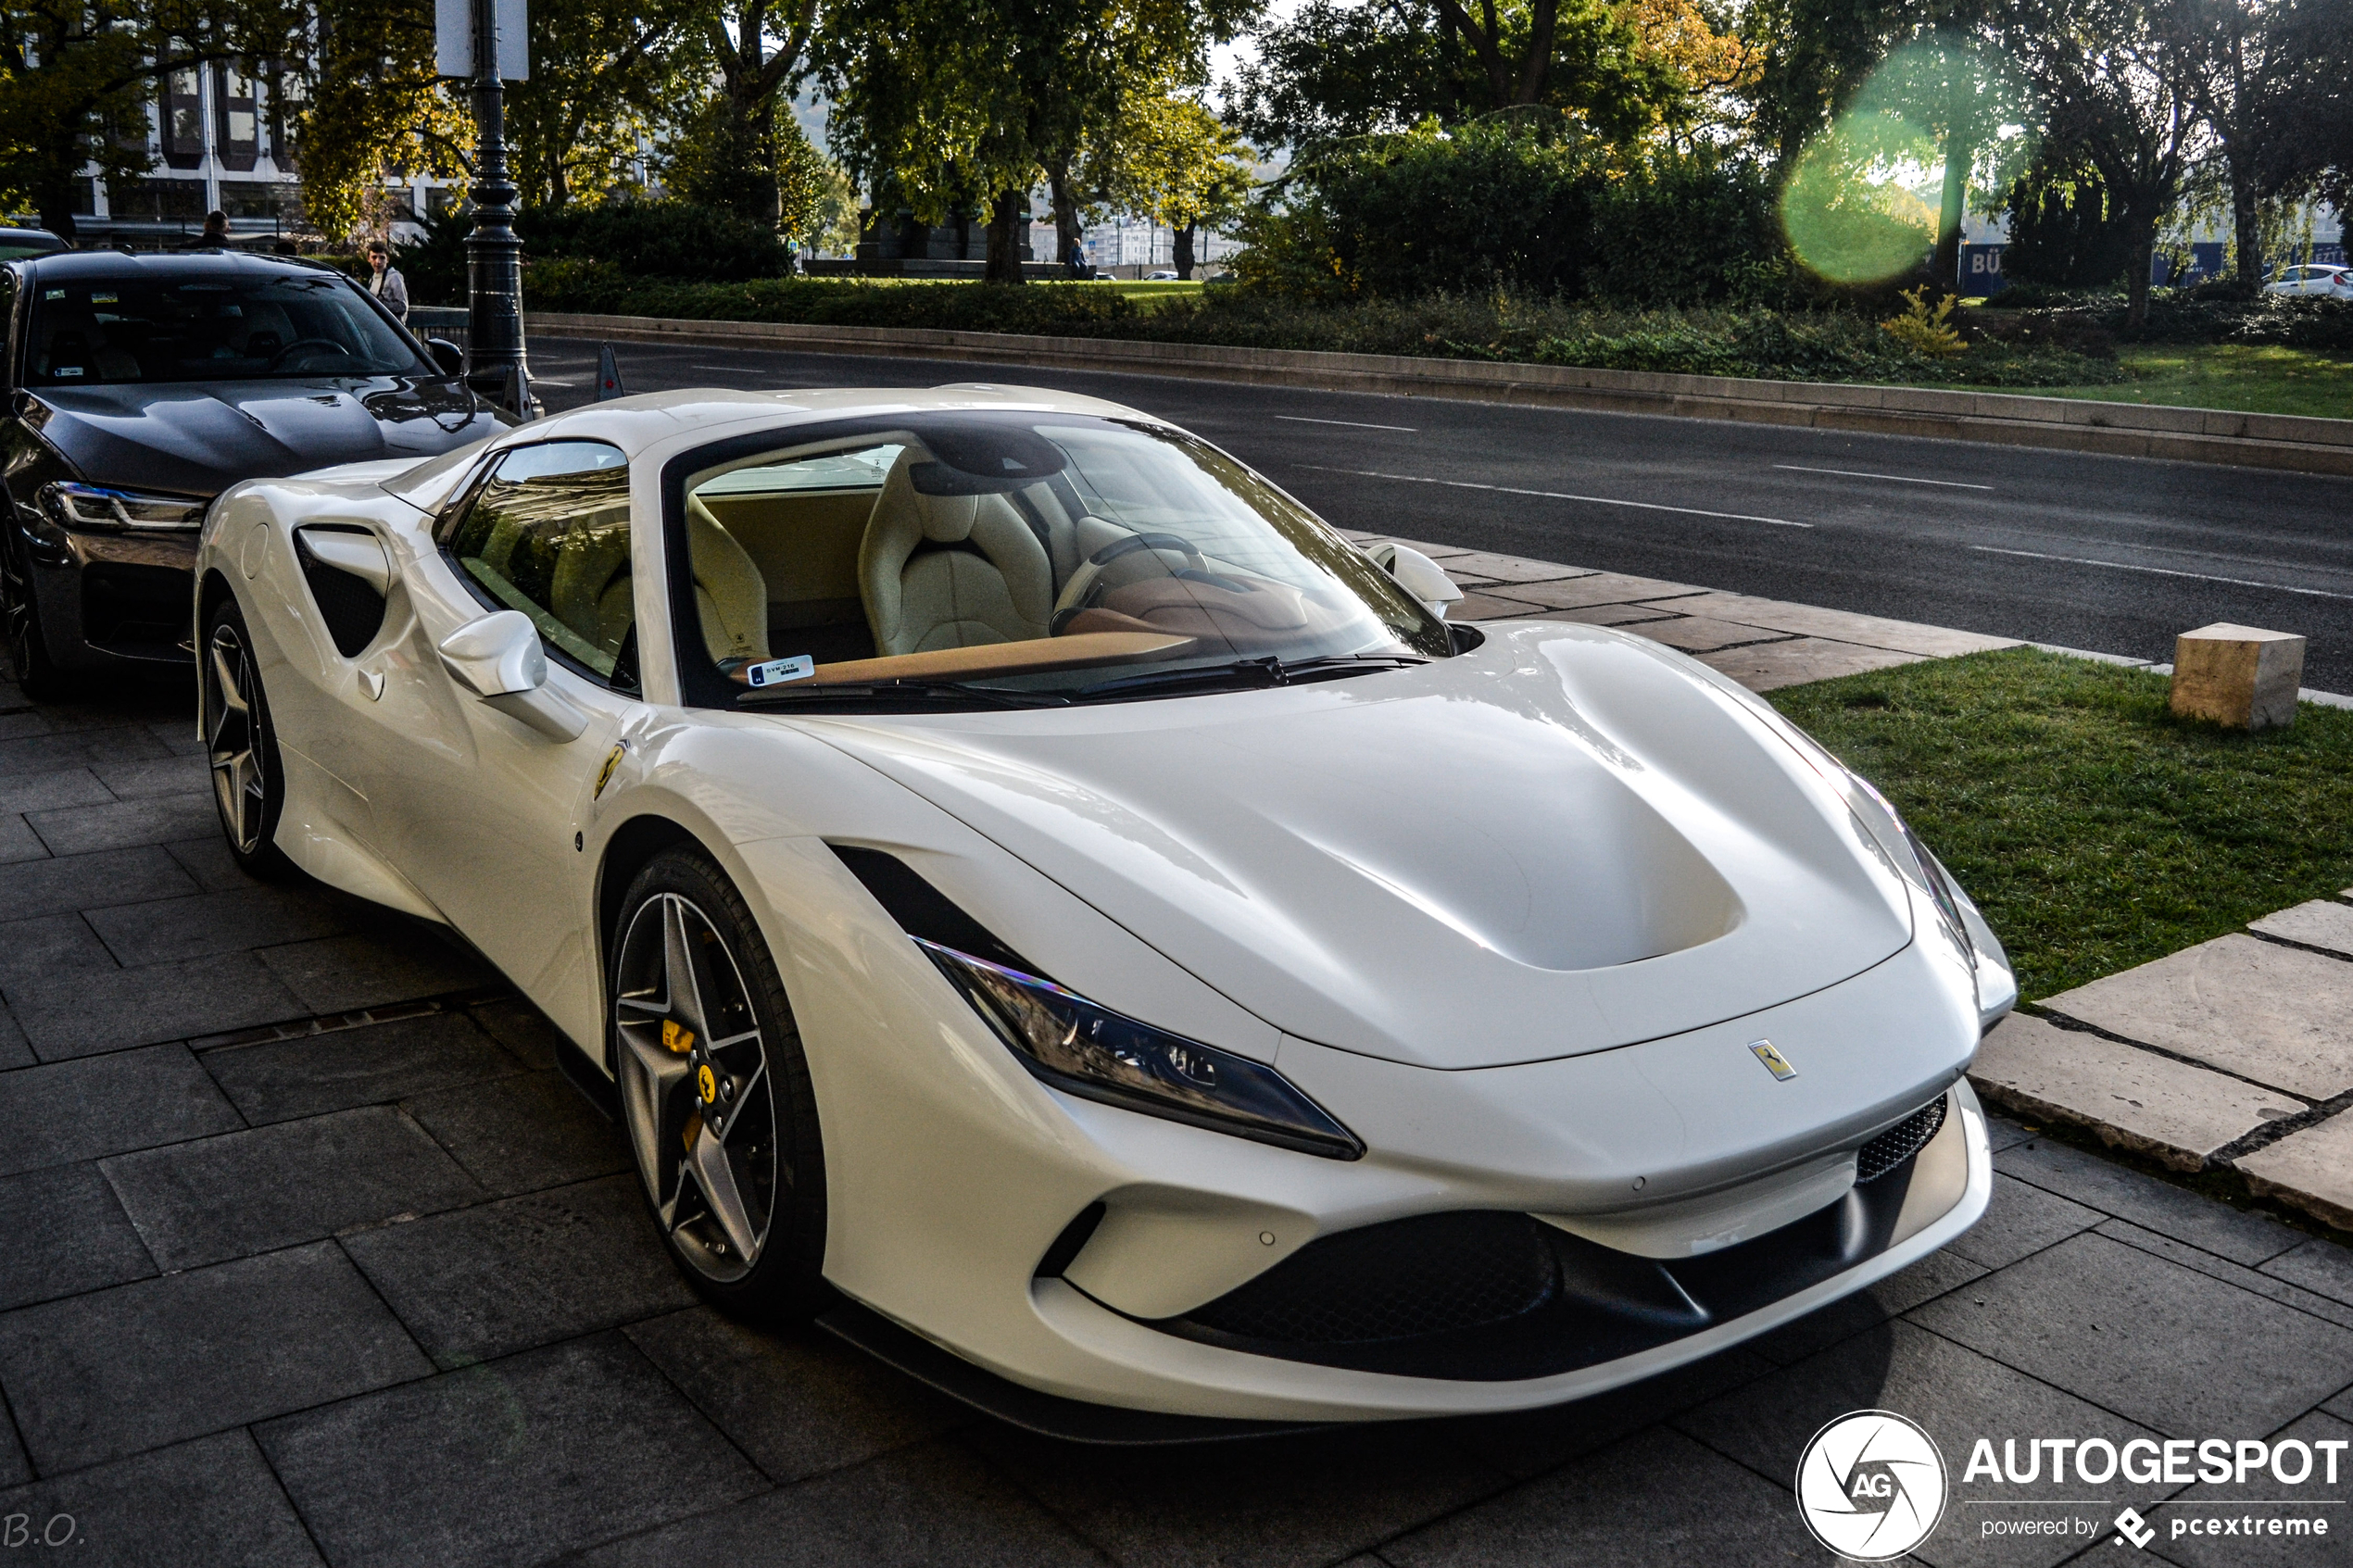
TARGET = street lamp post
x,y
496,364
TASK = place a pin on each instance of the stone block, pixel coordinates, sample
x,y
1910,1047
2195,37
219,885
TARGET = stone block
x,y
2311,1169
2239,676
2134,1099
2321,922
2274,1015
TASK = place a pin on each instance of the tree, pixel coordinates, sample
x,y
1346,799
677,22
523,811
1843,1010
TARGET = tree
x,y
1171,161
759,51
1625,69
76,79
2064,231
2121,80
375,103
604,82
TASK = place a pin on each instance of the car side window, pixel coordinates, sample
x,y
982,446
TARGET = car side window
x,y
546,533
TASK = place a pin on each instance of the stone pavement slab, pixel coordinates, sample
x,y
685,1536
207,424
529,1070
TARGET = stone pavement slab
x,y
2271,1287
488,1281
932,1507
1696,1507
99,1376
523,1134
2311,1169
87,1011
2019,1222
2146,1201
1870,631
66,1234
2321,922
1700,633
278,1080
256,915
2323,1267
1284,1503
516,1461
2136,1098
798,1403
79,830
291,1181
73,1111
213,1500
2270,1014
1772,665
91,882
15,1049
1948,1389
2157,1343
392,963
1601,588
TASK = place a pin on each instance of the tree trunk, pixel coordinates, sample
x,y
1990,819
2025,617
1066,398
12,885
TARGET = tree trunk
x,y
1946,265
2246,217
2136,280
1066,216
762,202
1004,238
1181,248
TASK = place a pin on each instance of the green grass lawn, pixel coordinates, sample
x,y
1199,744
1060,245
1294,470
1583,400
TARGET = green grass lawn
x,y
2096,830
2256,380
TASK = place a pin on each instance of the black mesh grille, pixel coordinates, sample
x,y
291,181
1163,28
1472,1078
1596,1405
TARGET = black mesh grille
x,y
1900,1142
1429,1276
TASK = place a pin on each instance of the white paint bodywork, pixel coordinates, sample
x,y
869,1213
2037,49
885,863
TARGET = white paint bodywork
x,y
1513,917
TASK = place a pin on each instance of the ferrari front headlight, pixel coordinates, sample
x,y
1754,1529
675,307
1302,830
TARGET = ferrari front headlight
x,y
94,506
1086,1049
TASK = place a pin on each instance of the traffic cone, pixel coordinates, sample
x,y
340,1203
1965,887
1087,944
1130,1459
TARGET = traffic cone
x,y
609,375
519,402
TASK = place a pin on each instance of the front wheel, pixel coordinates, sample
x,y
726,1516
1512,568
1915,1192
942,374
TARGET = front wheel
x,y
715,1092
249,783
37,674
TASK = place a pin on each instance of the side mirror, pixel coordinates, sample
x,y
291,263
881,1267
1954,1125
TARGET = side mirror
x,y
1418,576
447,355
499,660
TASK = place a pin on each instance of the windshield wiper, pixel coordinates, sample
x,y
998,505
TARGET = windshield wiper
x,y
918,693
1251,674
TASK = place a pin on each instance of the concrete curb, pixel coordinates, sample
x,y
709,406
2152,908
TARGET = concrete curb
x,y
2198,435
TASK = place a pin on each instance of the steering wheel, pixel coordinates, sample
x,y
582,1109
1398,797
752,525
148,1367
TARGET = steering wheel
x,y
1085,584
302,342
1135,542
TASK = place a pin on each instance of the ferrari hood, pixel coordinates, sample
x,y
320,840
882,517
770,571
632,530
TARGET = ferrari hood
x,y
1562,842
198,439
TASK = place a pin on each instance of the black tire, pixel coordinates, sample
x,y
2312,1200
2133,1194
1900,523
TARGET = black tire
x,y
37,674
724,1135
249,781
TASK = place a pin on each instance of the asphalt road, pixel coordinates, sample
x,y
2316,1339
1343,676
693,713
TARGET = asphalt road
x,y
2111,553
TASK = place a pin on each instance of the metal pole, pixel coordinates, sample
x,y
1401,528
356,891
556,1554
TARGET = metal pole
x,y
494,256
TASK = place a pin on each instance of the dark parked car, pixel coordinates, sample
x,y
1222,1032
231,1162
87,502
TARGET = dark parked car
x,y
16,243
139,387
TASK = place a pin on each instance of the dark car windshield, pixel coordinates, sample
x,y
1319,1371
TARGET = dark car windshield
x,y
209,326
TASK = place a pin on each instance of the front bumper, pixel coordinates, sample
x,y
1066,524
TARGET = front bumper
x,y
115,602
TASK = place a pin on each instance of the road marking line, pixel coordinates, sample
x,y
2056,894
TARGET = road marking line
x,y
1558,496
1897,478
2165,571
1353,424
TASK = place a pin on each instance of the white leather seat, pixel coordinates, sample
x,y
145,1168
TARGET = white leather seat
x,y
729,591
949,571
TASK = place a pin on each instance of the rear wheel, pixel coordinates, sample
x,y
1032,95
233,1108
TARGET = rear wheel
x,y
248,785
715,1092
37,672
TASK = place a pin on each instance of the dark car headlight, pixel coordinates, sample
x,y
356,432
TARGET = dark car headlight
x,y
92,507
1088,1051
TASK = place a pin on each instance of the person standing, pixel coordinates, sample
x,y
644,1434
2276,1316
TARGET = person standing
x,y
386,285
215,235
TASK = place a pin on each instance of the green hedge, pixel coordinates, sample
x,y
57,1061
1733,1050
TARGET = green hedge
x,y
1826,345
2191,317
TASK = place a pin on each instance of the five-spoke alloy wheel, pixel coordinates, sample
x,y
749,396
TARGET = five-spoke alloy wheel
x,y
714,1089
248,784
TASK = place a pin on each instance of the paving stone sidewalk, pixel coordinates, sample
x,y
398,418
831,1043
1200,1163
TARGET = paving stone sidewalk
x,y
308,1255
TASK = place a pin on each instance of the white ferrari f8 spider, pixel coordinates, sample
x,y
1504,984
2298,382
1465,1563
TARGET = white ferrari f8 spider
x,y
1038,897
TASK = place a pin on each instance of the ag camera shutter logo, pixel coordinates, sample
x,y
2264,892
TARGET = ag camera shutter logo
x,y
1871,1486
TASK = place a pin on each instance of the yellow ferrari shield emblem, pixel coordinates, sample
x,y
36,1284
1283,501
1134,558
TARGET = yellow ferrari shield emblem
x,y
677,1039
705,1081
604,775
1775,1063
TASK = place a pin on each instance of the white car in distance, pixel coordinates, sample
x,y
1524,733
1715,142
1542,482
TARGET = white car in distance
x,y
1040,899
2335,282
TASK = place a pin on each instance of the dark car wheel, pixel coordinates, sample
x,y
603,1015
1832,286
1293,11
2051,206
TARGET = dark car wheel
x,y
37,672
715,1092
249,783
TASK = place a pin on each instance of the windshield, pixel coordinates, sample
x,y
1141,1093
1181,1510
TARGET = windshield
x,y
1038,556
209,327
